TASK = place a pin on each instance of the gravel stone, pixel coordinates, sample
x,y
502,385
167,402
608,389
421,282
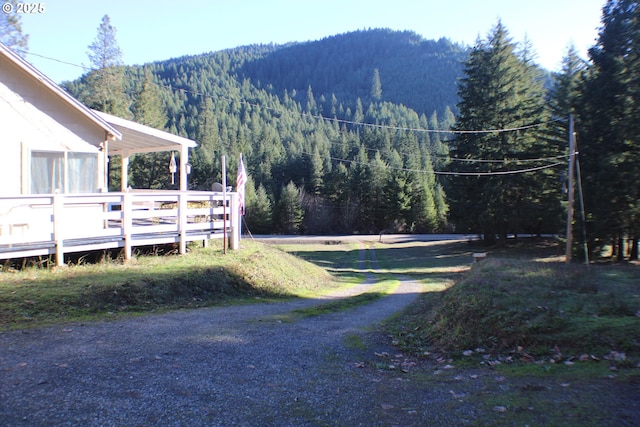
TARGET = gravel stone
x,y
229,366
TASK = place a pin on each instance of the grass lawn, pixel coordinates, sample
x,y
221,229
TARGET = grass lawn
x,y
545,339
522,303
203,277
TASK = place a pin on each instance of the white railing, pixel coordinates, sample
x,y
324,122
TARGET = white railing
x,y
61,223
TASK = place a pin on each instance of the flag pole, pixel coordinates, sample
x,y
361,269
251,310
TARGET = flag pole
x,y
241,181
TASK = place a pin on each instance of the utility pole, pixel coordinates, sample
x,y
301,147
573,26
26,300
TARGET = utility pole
x,y
572,166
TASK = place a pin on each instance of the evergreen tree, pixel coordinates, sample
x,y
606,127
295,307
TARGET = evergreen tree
x,y
206,156
610,132
442,208
290,213
11,30
103,88
564,96
374,193
105,84
312,107
448,121
376,86
148,107
149,170
358,116
259,210
316,171
359,187
499,91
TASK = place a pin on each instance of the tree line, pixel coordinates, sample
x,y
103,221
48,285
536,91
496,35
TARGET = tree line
x,y
338,140
346,176
503,89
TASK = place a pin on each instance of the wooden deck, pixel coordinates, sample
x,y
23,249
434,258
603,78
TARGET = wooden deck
x,y
62,223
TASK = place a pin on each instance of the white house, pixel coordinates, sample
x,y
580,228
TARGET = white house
x,y
53,175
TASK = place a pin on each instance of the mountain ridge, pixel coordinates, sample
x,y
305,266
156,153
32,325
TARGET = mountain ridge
x,y
418,73
327,149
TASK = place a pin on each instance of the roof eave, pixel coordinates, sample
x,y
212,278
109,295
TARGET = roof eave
x,y
61,93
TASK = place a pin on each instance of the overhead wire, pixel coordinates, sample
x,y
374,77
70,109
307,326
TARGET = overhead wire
x,y
436,172
317,116
380,126
26,52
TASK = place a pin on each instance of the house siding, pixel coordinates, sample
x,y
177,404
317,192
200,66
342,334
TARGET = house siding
x,y
33,118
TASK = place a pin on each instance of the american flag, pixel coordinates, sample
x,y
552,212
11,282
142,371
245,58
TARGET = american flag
x,y
240,182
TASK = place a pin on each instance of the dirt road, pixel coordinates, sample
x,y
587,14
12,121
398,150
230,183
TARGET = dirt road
x,y
238,365
255,366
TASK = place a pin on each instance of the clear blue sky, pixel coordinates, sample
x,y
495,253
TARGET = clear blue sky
x,y
153,30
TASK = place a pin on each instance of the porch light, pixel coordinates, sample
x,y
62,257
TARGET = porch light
x,y
173,168
187,168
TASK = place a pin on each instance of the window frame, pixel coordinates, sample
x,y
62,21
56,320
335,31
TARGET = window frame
x,y
66,172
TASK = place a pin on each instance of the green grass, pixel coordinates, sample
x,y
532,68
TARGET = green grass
x,y
340,259
429,261
519,302
36,296
378,291
525,309
354,342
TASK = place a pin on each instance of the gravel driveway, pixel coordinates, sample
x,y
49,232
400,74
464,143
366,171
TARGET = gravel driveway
x,y
238,365
244,365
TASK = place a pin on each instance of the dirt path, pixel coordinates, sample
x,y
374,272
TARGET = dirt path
x,y
243,365
219,366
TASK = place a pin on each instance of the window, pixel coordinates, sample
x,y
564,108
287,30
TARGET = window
x,y
65,172
82,172
47,172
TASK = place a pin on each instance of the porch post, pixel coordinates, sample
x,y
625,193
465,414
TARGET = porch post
x,y
127,224
235,222
182,219
184,159
104,148
58,227
124,172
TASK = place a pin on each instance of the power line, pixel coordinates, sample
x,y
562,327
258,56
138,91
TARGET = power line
x,y
380,126
364,124
332,119
511,172
448,173
409,129
53,59
505,161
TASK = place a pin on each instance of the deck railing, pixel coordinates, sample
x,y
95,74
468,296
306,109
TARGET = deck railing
x,y
62,223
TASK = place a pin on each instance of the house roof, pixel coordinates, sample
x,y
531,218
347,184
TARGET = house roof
x,y
126,136
137,138
34,73
39,130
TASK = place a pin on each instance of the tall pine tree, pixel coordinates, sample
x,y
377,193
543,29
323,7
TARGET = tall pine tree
x,y
499,91
290,213
610,129
11,30
104,89
149,170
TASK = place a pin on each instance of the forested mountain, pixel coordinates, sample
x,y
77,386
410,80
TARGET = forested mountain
x,y
420,74
354,133
296,112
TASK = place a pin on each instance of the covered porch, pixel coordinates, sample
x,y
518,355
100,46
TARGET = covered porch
x,y
61,223
56,224
138,139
